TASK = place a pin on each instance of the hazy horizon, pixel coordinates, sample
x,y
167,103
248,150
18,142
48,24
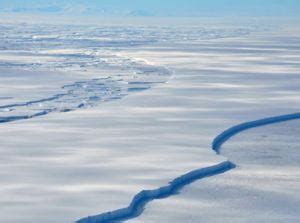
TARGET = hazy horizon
x,y
155,8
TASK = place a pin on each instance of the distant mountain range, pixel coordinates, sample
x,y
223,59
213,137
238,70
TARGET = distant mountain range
x,y
77,9
154,7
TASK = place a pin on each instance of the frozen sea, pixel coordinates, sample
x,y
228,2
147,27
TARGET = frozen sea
x,y
150,122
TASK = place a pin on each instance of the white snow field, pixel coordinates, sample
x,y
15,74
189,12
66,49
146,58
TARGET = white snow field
x,y
91,116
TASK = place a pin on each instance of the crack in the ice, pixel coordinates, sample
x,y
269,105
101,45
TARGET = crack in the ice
x,y
141,199
54,97
227,134
80,94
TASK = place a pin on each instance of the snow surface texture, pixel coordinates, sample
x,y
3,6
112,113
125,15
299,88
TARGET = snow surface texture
x,y
98,158
141,199
139,202
81,57
86,50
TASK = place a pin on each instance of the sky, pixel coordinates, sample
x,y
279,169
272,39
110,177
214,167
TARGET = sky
x,y
175,8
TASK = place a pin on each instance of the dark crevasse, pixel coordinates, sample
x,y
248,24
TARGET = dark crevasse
x,y
140,200
83,94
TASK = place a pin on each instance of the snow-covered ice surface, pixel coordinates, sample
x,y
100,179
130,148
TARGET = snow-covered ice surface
x,y
66,166
78,67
